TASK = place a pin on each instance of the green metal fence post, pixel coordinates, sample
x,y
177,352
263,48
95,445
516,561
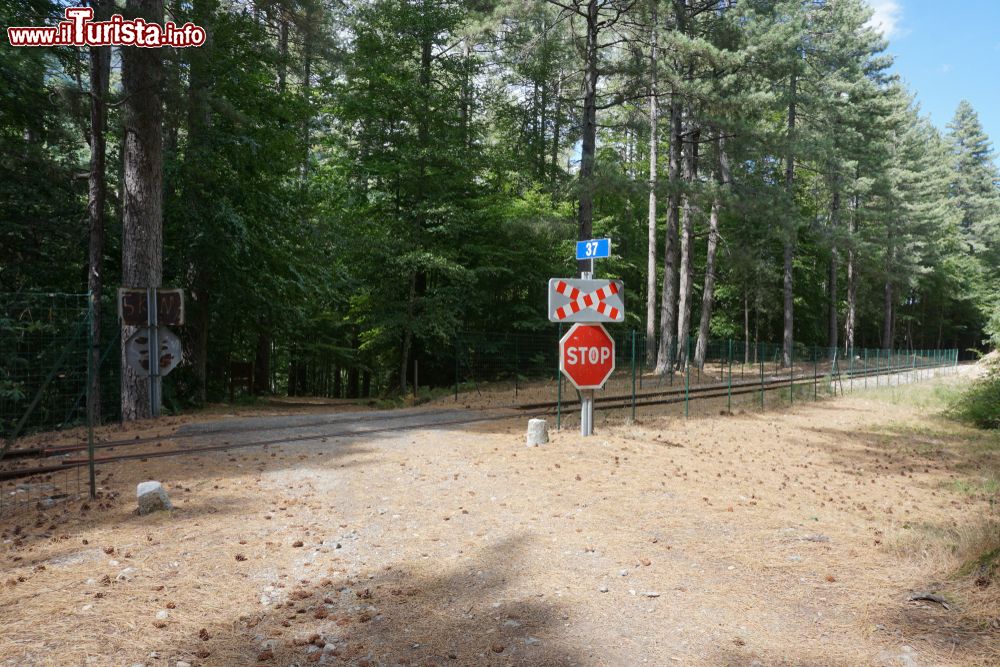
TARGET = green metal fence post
x,y
760,358
455,347
687,375
645,343
815,376
865,372
722,364
791,375
729,399
633,374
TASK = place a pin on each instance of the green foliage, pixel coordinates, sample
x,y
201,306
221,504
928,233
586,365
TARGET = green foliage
x,y
980,403
993,327
347,200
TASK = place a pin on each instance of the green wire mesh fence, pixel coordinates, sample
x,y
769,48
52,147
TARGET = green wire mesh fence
x,y
522,370
43,361
44,379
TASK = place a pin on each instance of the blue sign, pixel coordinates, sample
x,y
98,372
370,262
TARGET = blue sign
x,y
593,249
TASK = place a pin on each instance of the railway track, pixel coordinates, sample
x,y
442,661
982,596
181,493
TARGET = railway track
x,y
68,448
69,463
662,397
678,394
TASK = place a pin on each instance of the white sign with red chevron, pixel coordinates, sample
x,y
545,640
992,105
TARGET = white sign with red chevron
x,y
578,300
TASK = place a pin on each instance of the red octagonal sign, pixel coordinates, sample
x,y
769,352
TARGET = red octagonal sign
x,y
587,355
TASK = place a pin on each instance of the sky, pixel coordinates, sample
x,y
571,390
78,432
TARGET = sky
x,y
947,52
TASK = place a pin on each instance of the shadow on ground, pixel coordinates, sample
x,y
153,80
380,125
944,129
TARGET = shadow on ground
x,y
415,614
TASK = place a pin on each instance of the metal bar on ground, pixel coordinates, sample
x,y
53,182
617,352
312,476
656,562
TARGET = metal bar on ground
x,y
559,388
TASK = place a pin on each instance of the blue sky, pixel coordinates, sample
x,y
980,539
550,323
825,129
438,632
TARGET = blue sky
x,y
947,52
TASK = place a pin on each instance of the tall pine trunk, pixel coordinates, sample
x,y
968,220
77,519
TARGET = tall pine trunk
x,y
668,301
888,293
789,240
199,122
833,330
687,249
850,316
417,279
651,224
142,153
588,150
708,294
887,312
100,71
556,128
746,327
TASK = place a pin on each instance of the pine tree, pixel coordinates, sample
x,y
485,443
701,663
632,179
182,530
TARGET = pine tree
x,y
976,184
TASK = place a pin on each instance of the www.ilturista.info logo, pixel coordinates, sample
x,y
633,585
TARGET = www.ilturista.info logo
x,y
80,30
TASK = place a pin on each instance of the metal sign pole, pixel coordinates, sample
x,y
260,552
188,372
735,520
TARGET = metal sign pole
x,y
587,412
154,353
587,397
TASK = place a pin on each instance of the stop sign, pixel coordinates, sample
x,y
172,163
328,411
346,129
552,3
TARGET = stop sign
x,y
587,355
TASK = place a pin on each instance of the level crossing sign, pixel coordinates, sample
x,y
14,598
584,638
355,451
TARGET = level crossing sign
x,y
580,300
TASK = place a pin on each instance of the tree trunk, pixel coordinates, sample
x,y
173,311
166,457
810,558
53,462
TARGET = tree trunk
x,y
353,382
585,213
418,279
282,48
887,317
467,96
262,363
407,335
834,329
142,224
668,302
199,121
556,128
789,240
852,287
651,224
100,71
708,293
338,382
687,250
307,39
746,328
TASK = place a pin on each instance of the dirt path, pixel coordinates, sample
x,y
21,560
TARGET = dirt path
x,y
775,539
